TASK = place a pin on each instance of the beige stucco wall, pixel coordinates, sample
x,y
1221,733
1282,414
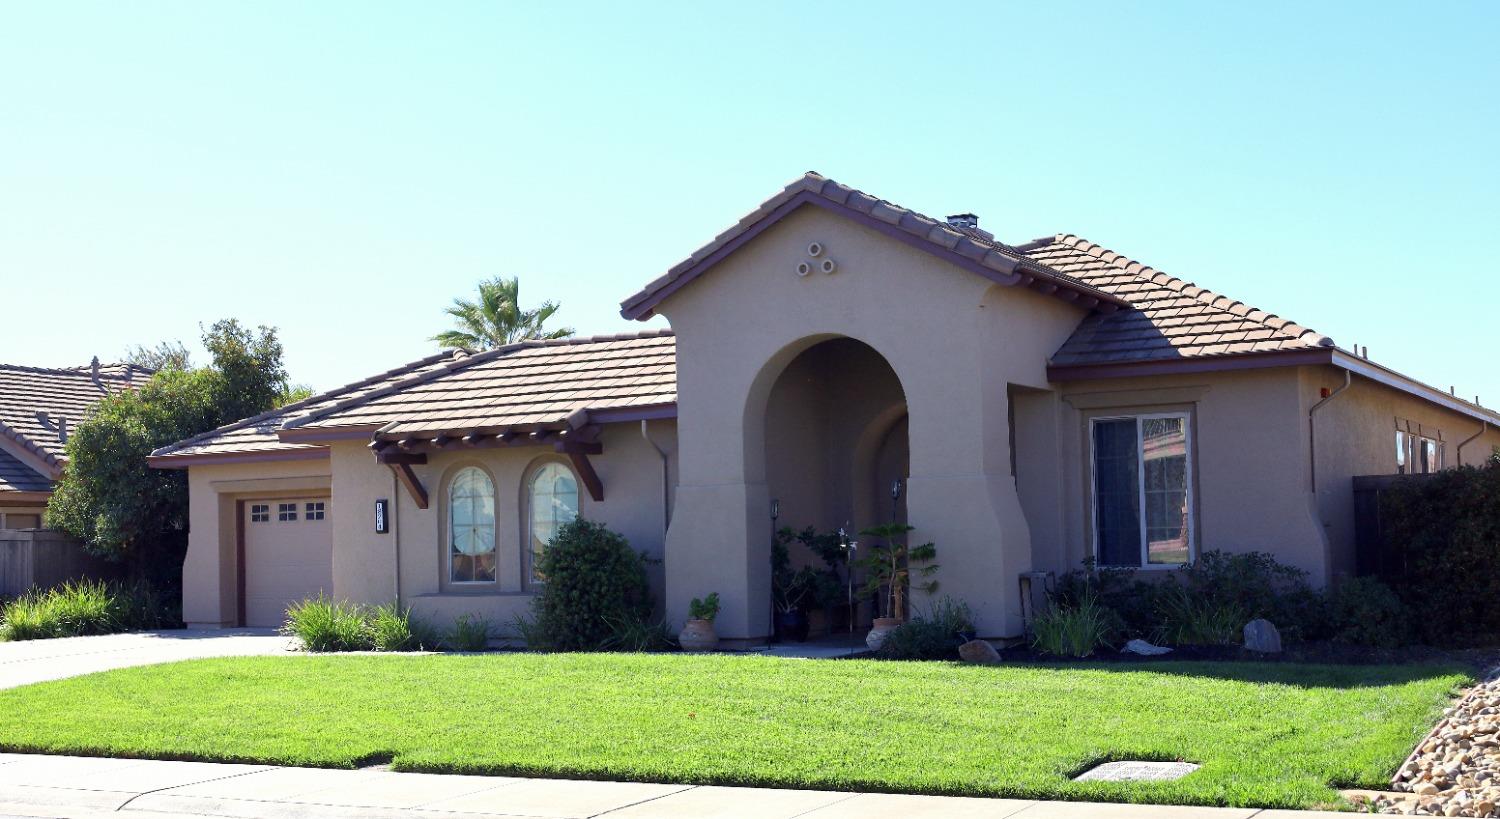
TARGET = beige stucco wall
x,y
1250,488
1356,435
956,342
209,571
365,561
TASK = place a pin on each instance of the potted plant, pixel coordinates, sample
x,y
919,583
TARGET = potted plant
x,y
831,591
698,634
791,590
889,566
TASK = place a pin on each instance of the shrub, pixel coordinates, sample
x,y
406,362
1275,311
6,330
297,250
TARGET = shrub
x,y
1444,530
1198,602
592,580
1074,629
706,608
82,607
392,628
470,632
919,639
323,624
1364,611
1131,601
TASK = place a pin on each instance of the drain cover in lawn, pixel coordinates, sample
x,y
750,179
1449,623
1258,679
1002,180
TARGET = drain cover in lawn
x,y
1132,770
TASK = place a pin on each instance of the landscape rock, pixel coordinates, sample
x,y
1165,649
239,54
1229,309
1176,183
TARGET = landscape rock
x,y
1455,771
978,651
1144,648
1262,637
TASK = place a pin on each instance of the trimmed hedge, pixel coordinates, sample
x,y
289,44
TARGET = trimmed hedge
x,y
1446,527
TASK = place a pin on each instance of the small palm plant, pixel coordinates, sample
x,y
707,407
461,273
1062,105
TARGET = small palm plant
x,y
890,565
496,318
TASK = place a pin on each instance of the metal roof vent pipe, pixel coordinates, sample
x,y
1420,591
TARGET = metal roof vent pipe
x,y
968,222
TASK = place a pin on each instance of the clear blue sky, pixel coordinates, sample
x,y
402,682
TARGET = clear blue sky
x,y
341,171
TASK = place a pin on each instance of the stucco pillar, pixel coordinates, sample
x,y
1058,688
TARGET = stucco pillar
x,y
720,542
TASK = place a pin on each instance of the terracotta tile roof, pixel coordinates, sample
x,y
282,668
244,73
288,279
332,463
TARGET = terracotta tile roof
x,y
258,433
38,404
1171,318
972,246
533,384
18,477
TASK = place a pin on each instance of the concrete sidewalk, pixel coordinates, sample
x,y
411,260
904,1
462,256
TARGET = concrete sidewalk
x,y
31,661
63,786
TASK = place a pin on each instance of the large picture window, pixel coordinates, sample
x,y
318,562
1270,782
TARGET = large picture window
x,y
471,527
1142,491
551,501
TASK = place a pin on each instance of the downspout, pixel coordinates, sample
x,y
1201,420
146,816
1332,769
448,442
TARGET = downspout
x,y
395,524
1458,454
1312,430
666,483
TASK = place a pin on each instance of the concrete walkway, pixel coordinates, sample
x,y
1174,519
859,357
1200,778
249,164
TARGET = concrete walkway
x,y
30,661
79,787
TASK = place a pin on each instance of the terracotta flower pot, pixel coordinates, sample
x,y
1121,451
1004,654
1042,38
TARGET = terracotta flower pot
x,y
698,635
882,629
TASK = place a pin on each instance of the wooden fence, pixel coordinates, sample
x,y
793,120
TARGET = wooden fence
x,y
41,558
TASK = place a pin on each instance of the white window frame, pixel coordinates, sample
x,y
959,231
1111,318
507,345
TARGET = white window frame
x,y
1140,480
448,529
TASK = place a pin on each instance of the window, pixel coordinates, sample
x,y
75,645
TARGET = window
x,y
1142,494
286,511
313,511
259,513
551,501
471,527
1418,454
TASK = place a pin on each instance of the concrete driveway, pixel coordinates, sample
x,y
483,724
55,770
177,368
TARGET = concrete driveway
x,y
29,661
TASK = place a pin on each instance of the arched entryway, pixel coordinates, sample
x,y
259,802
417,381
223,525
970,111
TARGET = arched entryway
x,y
835,457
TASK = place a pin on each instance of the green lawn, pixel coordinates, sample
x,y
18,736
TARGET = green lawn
x,y
1266,734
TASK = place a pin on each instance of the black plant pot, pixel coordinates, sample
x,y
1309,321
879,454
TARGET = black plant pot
x,y
791,625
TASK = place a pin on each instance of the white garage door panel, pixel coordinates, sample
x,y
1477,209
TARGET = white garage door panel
x,y
285,560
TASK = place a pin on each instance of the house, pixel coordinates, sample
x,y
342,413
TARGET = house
x,y
842,361
38,406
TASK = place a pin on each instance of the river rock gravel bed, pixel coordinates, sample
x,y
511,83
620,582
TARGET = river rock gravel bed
x,y
1456,769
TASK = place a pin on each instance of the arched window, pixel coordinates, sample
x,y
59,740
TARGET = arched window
x,y
551,501
471,527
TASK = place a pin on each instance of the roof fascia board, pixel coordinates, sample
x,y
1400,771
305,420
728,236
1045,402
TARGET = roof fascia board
x,y
309,435
1200,364
645,307
1391,378
24,497
309,453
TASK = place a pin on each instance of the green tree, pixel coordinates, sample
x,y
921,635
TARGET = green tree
x,y
109,498
165,355
496,318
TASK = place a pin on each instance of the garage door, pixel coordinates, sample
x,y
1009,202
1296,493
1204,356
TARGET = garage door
x,y
288,556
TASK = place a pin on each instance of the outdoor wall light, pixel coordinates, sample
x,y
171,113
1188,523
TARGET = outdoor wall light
x,y
775,508
896,489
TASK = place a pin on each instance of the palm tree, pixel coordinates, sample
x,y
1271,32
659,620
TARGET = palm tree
x,y
496,319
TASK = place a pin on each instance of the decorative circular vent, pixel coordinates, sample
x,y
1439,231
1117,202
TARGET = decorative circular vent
x,y
803,268
815,250
829,265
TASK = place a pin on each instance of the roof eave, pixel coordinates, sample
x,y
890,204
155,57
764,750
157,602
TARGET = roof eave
x,y
306,453
965,253
1313,356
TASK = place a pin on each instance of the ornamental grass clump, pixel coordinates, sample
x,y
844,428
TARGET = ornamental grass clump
x,y
470,632
392,628
1074,629
323,624
80,608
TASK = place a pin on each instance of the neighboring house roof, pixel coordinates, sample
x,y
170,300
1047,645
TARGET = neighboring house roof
x,y
969,248
40,405
18,477
534,385
1170,318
